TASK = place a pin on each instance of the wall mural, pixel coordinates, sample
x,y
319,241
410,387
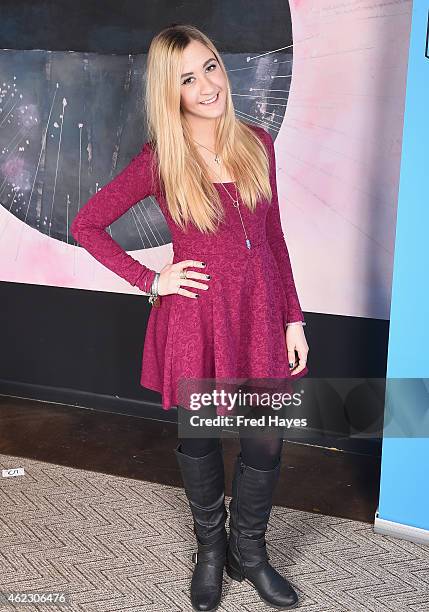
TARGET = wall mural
x,y
333,99
72,121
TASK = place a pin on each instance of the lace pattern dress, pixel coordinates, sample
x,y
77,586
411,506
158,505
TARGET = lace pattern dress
x,y
236,328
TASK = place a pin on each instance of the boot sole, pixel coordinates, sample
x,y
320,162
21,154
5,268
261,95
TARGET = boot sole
x,y
211,609
239,578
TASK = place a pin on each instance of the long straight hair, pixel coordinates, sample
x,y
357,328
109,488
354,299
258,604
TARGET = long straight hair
x,y
189,192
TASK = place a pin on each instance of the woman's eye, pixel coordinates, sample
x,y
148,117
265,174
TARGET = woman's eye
x,y
186,81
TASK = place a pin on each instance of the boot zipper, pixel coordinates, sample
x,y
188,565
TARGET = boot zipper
x,y
238,514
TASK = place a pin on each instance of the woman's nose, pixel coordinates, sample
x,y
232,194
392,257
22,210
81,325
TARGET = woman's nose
x,y
207,87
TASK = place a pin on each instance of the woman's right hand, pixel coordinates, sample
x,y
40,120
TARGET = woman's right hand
x,y
170,282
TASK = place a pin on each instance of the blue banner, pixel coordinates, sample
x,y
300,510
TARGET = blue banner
x,y
404,493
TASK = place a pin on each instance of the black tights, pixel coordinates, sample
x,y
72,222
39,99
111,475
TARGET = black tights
x,y
261,453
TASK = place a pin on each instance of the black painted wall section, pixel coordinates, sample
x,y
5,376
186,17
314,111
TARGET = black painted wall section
x,y
129,26
76,347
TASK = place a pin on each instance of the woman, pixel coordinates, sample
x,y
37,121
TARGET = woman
x,y
225,307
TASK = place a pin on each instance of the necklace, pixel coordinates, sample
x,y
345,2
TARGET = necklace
x,y
217,158
235,201
236,205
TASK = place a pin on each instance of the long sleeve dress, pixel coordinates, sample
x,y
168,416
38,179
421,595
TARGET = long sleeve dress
x,y
236,328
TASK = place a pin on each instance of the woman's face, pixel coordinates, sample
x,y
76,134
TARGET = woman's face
x,y
202,80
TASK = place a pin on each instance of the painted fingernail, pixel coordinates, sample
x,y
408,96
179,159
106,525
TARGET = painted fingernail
x,y
197,295
208,275
290,364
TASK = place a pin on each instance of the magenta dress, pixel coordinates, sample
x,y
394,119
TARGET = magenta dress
x,y
236,328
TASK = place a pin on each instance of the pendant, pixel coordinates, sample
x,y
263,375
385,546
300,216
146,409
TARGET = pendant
x,y
236,204
217,159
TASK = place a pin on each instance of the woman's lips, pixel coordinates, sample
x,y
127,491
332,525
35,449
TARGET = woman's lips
x,y
213,100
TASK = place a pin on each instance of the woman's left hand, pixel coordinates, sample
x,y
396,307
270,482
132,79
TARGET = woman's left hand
x,y
295,341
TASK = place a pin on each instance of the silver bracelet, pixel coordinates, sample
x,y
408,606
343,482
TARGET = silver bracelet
x,y
154,288
296,323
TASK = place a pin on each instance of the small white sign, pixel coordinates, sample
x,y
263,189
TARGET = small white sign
x,y
12,472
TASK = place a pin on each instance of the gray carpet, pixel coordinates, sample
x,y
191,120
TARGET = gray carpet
x,y
117,544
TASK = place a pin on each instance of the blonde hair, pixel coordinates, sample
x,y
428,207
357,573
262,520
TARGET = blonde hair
x,y
190,194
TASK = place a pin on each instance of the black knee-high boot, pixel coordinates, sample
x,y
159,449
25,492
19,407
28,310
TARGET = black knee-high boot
x,y
204,482
247,557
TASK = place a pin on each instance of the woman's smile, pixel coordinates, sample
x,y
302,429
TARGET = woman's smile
x,y
211,100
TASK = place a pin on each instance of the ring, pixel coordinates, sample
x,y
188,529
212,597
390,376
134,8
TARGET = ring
x,y
183,274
